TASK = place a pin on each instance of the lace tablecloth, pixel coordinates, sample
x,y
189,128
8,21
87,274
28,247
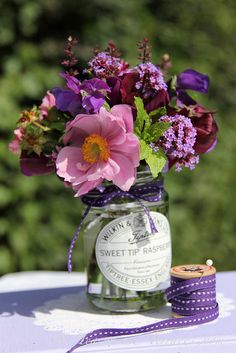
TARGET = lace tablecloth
x,y
47,312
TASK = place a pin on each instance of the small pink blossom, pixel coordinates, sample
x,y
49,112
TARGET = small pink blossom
x,y
101,146
14,145
48,102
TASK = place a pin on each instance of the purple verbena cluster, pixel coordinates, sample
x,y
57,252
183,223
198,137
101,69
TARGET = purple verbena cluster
x,y
154,147
179,140
104,65
188,162
150,79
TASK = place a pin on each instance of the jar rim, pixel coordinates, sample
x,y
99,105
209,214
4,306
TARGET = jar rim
x,y
143,177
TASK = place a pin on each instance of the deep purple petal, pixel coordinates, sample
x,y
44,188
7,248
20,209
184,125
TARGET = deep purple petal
x,y
97,102
92,104
87,87
74,107
193,80
95,84
67,101
35,165
100,85
160,99
114,96
63,98
71,82
184,98
98,95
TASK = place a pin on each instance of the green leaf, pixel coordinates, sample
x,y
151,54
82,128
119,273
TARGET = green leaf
x,y
142,122
144,150
59,125
156,130
158,112
55,115
143,127
156,162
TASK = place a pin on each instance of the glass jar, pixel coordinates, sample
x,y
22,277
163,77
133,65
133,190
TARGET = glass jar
x,y
128,266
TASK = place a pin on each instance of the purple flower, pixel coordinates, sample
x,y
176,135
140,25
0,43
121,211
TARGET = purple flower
x,y
193,80
149,91
115,95
104,65
36,165
71,82
150,79
90,95
178,141
93,94
67,101
188,162
154,147
184,98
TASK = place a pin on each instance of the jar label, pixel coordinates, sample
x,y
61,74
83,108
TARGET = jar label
x,y
130,256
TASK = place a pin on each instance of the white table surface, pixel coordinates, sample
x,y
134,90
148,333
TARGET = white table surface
x,y
47,312
40,280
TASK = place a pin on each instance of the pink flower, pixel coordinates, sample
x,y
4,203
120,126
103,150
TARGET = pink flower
x,y
48,102
14,145
101,146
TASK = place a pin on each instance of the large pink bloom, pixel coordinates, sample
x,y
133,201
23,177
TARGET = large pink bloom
x,y
100,146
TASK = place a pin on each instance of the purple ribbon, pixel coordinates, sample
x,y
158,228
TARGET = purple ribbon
x,y
194,299
151,192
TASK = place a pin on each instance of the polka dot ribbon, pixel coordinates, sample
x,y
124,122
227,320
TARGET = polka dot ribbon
x,y
193,299
151,192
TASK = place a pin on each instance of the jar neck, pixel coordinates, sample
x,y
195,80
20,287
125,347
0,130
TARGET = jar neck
x,y
145,176
146,190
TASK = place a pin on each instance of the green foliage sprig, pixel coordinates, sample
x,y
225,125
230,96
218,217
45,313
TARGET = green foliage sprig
x,y
149,132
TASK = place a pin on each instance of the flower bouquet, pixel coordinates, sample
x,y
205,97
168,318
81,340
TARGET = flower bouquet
x,y
110,134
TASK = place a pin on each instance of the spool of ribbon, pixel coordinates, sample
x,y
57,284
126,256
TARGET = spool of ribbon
x,y
192,294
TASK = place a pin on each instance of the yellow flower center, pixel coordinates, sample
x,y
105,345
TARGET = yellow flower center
x,y
95,148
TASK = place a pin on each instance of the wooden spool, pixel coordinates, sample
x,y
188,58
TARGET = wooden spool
x,y
191,271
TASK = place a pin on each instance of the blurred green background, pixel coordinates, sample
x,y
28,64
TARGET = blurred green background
x,y
38,215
